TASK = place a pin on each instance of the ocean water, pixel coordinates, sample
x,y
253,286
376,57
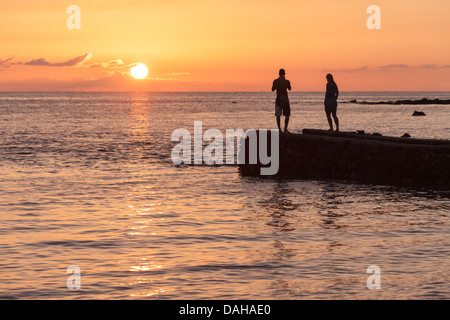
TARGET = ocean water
x,y
86,179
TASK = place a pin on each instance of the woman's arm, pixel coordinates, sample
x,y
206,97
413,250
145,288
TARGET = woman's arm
x,y
327,91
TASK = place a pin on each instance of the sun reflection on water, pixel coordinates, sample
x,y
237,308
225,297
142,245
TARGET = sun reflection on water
x,y
148,294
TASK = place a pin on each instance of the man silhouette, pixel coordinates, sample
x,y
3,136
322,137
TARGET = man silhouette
x,y
282,106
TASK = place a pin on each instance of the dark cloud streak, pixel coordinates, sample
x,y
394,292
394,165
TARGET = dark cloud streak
x,y
2,62
69,63
351,70
394,66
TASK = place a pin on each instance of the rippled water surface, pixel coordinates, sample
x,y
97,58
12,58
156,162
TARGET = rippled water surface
x,y
87,180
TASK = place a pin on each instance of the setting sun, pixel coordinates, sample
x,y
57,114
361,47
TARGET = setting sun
x,y
139,71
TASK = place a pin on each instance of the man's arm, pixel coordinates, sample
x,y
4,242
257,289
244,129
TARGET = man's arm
x,y
273,85
289,85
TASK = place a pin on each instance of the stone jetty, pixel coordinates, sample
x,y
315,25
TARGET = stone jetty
x,y
361,157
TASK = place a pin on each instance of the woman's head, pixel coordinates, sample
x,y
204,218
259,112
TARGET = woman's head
x,y
330,77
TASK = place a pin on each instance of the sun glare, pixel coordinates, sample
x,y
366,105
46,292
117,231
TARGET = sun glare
x,y
139,71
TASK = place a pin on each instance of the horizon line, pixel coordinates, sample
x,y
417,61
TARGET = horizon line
x,y
236,91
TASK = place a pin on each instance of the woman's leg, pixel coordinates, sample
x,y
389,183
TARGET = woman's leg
x,y
336,120
330,122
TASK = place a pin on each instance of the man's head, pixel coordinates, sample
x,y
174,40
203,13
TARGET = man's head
x,y
282,73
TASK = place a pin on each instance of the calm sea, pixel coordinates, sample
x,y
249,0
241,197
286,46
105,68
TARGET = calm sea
x,y
86,179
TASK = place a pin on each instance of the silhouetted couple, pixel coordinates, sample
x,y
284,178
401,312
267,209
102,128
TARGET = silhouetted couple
x,y
282,106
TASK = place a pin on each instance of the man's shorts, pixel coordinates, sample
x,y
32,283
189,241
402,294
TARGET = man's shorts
x,y
282,107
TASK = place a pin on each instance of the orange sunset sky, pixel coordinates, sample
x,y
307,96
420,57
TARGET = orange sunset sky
x,y
224,45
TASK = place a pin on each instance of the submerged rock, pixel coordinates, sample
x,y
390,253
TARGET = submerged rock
x,y
418,113
406,135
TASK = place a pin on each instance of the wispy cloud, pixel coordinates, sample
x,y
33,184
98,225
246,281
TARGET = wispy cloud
x,y
419,66
2,62
113,66
112,63
69,63
394,66
349,70
110,67
429,66
389,67
6,63
433,66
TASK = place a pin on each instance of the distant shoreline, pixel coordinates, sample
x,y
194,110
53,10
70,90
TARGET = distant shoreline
x,y
423,101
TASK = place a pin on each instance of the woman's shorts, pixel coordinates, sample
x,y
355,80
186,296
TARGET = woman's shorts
x,y
331,106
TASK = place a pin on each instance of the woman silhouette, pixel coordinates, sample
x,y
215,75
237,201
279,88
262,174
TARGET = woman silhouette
x,y
331,96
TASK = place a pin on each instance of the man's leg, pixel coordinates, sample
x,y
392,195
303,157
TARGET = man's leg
x,y
278,123
330,122
286,122
336,120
